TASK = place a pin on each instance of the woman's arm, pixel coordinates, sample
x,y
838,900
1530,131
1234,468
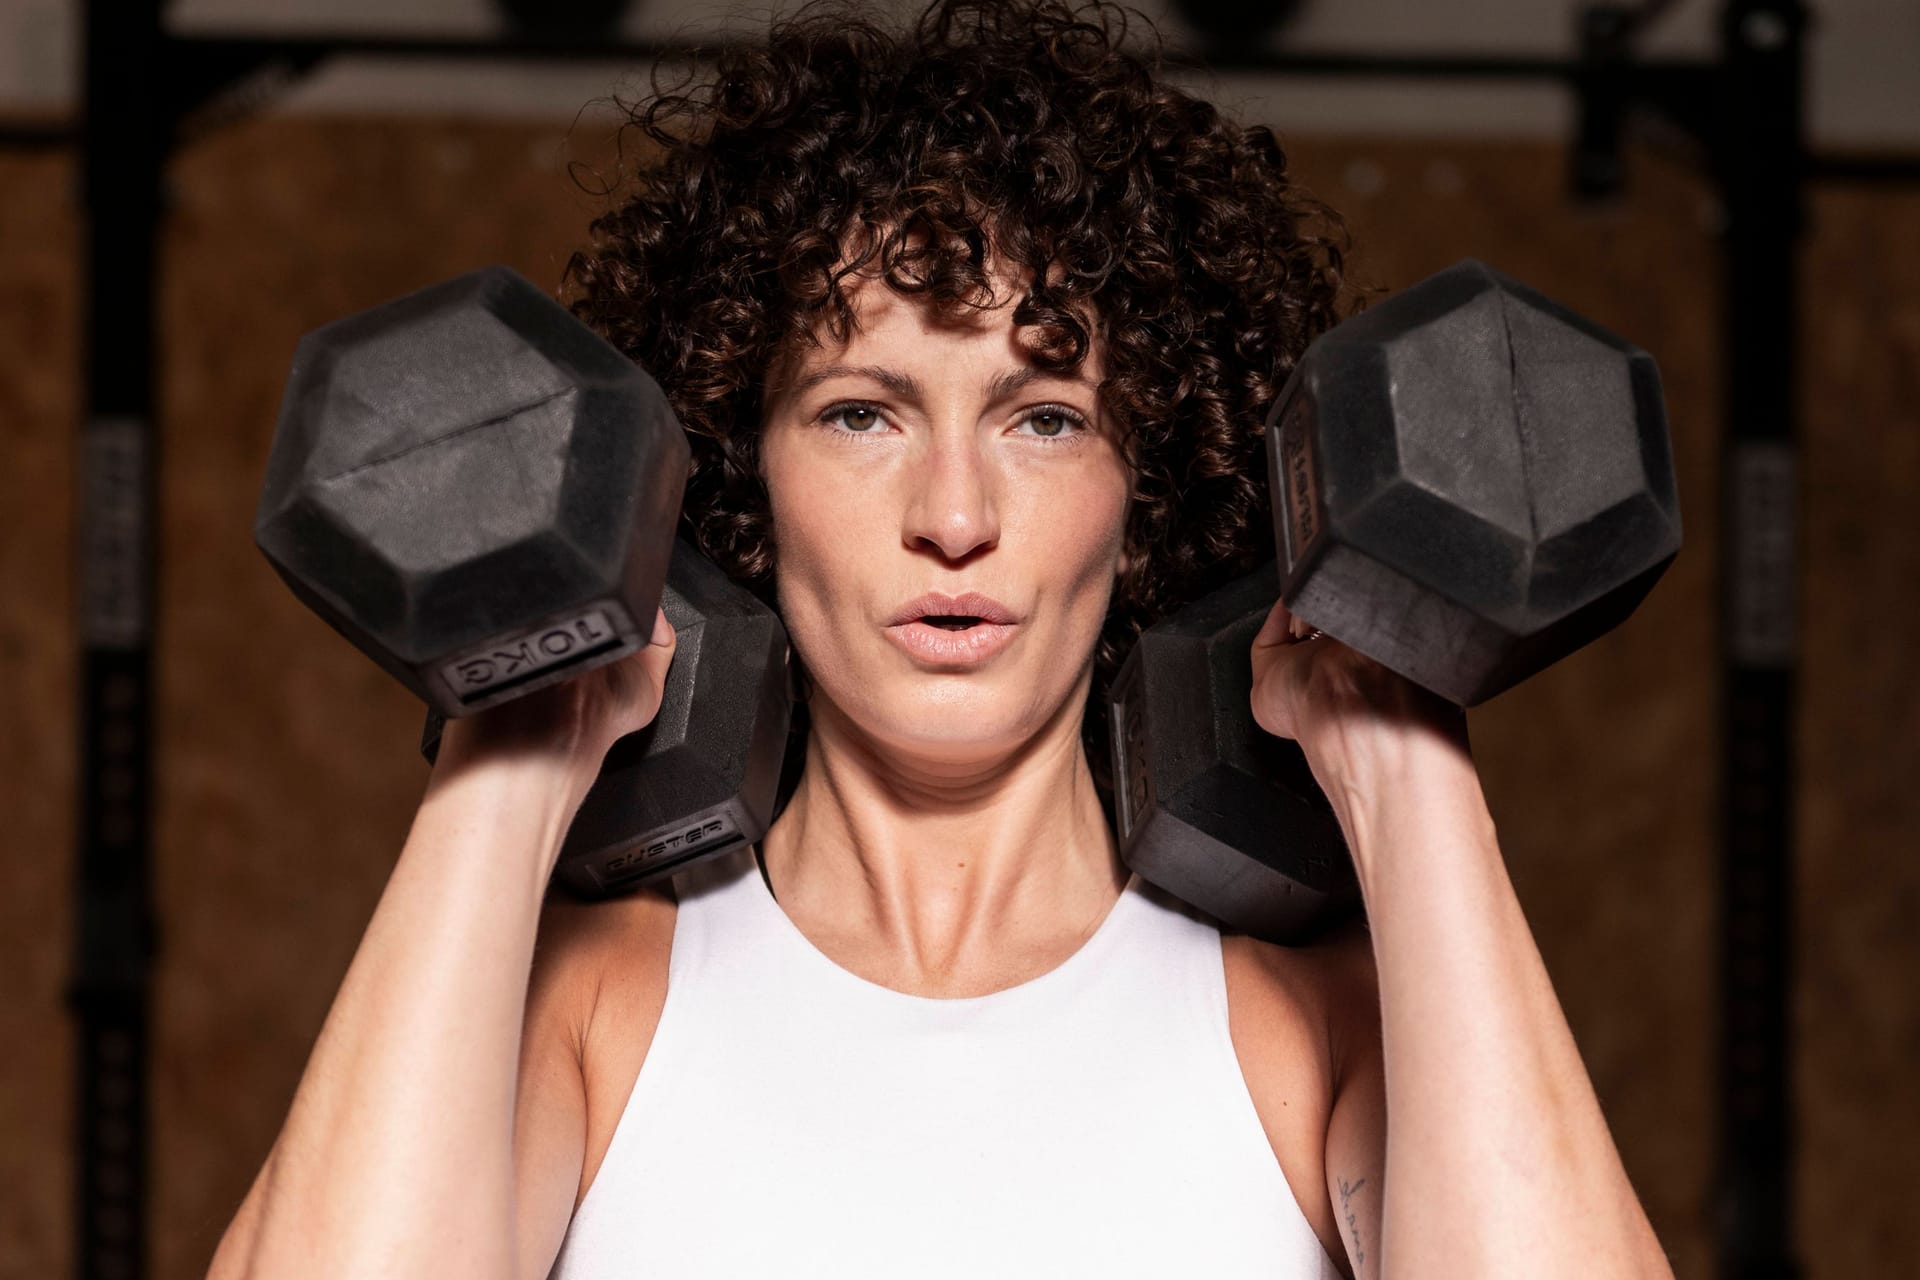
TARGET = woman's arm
x,y
398,1154
395,1157
1497,1159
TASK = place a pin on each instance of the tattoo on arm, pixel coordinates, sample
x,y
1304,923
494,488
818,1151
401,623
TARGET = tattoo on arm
x,y
1347,1192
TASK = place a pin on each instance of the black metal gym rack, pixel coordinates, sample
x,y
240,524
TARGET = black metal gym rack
x,y
148,88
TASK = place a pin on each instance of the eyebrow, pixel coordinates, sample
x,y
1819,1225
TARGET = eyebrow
x,y
901,384
905,385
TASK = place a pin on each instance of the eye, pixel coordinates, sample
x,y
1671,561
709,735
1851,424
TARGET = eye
x,y
1055,422
855,417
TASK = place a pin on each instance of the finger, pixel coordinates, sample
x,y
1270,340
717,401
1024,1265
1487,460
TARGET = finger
x,y
648,664
1278,668
657,656
638,682
1277,629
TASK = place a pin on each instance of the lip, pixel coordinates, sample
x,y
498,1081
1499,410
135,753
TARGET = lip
x,y
929,643
969,604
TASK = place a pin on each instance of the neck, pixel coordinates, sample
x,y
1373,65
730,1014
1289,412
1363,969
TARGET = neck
x,y
942,876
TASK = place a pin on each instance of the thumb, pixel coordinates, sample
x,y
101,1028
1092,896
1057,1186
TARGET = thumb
x,y
1277,629
663,632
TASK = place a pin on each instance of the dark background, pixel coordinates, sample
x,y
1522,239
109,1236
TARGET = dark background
x,y
285,765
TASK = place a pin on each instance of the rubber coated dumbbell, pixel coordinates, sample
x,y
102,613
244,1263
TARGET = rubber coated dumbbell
x,y
481,494
1469,482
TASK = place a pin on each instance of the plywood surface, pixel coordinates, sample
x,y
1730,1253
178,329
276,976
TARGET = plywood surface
x,y
286,769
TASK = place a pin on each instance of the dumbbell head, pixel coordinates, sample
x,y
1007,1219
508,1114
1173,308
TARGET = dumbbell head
x,y
1470,482
1207,805
475,489
703,776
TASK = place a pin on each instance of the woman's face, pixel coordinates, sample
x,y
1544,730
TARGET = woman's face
x,y
932,455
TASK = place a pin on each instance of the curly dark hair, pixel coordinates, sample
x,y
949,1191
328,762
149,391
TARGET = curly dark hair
x,y
1026,134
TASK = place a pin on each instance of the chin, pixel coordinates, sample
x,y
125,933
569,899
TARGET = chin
x,y
914,716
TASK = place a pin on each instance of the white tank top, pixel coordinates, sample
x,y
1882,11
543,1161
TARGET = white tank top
x,y
792,1119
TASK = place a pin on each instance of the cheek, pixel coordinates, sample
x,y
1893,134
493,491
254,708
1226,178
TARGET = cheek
x,y
820,540
822,505
1081,526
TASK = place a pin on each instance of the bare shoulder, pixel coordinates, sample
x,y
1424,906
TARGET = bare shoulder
x,y
1292,1011
1348,988
1316,989
586,951
1330,981
599,982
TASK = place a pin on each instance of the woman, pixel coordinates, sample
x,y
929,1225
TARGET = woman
x,y
973,330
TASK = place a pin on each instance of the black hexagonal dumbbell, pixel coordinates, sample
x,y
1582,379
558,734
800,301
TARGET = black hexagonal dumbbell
x,y
1469,482
1206,804
480,493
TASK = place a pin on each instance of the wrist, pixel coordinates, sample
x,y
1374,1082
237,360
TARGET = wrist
x,y
1376,761
538,763
523,800
1420,790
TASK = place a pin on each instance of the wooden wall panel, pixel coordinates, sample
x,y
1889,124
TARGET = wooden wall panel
x,y
39,382
1859,866
287,774
292,770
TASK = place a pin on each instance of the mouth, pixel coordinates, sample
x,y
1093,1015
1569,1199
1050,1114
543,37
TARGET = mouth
x,y
952,613
951,640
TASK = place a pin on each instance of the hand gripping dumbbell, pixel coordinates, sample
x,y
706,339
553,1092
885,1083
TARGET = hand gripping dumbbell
x,y
1469,482
481,494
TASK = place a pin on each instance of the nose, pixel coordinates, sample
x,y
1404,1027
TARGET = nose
x,y
953,506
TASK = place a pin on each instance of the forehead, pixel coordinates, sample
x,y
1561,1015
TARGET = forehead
x,y
909,328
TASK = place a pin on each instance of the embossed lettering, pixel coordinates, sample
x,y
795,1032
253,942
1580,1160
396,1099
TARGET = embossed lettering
x,y
523,656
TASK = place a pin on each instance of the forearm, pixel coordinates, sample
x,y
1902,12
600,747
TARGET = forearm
x,y
1499,1161
396,1156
